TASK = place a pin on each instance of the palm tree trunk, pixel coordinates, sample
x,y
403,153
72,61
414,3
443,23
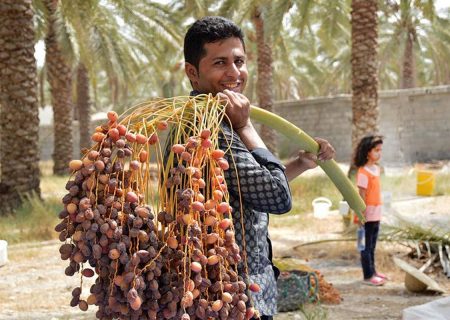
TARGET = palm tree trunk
x,y
60,80
364,59
83,106
19,113
41,85
408,69
264,86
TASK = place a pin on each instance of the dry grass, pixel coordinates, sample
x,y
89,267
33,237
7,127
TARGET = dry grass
x,y
305,189
404,183
35,220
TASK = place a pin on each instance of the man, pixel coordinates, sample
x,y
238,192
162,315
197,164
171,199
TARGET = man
x,y
215,62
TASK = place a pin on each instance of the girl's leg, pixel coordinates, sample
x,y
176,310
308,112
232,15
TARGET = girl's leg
x,y
365,262
367,254
376,228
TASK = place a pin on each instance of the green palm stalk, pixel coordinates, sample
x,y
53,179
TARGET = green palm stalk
x,y
305,142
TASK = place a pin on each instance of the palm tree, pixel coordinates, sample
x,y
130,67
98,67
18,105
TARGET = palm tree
x,y
19,120
436,52
59,75
83,106
157,41
330,68
112,40
423,40
316,50
89,31
264,85
364,61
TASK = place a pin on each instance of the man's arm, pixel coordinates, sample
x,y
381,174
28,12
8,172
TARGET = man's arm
x,y
250,137
297,166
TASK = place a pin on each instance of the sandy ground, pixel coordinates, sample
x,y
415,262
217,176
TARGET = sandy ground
x,y
33,284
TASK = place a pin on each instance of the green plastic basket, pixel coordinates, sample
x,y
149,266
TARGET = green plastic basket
x,y
295,289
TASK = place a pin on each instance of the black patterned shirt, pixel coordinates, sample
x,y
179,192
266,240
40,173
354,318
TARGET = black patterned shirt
x,y
257,178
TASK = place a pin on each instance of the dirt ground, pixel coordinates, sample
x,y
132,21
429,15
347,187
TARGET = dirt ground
x,y
339,262
359,301
33,284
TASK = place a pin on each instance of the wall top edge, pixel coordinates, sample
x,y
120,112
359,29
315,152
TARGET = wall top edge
x,y
415,91
381,94
316,100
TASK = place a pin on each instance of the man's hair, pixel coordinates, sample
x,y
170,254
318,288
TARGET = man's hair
x,y
208,30
364,147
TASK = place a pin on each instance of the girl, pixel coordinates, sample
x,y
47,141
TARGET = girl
x,y
367,155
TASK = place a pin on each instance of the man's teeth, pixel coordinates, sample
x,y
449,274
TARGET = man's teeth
x,y
231,85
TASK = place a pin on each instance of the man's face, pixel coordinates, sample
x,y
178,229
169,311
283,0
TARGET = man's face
x,y
223,67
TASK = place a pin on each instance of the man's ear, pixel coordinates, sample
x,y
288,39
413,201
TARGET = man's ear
x,y
191,72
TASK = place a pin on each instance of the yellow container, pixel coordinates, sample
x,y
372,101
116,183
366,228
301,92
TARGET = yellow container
x,y
425,183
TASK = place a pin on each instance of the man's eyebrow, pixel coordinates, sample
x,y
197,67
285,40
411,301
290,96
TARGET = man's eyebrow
x,y
239,56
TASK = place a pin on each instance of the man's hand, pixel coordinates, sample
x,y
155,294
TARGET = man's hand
x,y
307,160
238,111
326,150
238,108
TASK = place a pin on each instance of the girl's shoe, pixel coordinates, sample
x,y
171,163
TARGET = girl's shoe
x,y
381,275
374,281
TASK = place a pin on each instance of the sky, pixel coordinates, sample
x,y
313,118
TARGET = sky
x,y
40,46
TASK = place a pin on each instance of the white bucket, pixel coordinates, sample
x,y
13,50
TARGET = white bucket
x,y
3,252
344,208
321,207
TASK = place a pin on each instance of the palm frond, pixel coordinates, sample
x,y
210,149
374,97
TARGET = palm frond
x,y
228,7
405,230
275,14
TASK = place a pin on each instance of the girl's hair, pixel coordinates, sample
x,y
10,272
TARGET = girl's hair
x,y
364,146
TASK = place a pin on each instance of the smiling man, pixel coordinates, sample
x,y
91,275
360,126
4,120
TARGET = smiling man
x,y
215,62
222,67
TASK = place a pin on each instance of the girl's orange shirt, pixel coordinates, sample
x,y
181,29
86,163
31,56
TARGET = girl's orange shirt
x,y
370,181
